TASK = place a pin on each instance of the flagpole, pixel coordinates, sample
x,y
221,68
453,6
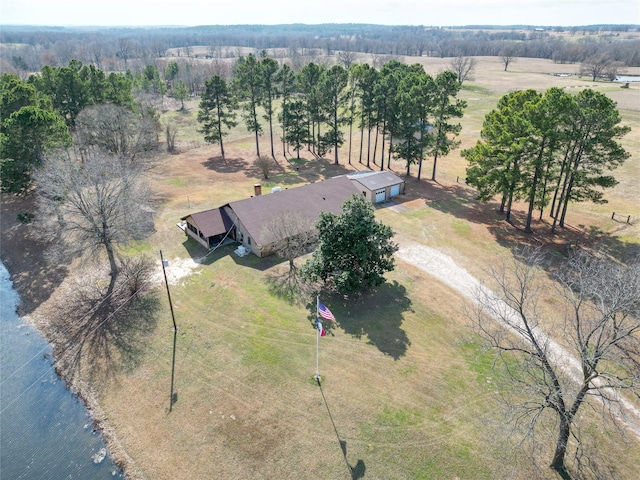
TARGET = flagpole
x,y
317,377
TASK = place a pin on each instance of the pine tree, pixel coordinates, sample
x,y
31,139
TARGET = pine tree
x,y
248,87
269,69
216,111
447,87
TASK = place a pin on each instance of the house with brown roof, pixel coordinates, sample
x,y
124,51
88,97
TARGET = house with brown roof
x,y
244,220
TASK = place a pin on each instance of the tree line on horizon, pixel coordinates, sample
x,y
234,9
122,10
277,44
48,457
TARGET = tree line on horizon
x,y
27,49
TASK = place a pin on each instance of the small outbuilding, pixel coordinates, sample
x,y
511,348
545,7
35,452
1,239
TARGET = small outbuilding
x,y
378,187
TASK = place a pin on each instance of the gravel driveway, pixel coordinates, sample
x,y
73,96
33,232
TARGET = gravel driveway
x,y
443,268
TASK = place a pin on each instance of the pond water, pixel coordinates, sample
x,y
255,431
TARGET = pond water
x,y
627,78
45,430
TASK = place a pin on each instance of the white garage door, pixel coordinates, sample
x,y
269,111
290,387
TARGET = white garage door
x,y
395,190
380,196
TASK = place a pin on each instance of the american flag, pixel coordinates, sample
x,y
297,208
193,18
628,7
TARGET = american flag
x,y
324,312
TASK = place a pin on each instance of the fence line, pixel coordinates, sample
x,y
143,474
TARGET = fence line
x,y
619,215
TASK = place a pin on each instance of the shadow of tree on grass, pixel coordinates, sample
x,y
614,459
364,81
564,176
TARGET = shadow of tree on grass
x,y
459,200
98,335
377,315
288,285
228,165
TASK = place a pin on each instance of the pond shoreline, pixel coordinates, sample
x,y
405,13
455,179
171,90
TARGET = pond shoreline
x,y
24,258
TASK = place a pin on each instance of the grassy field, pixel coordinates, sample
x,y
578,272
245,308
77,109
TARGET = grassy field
x,y
405,394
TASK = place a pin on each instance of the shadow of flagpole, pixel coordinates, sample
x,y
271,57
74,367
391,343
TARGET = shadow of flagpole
x,y
174,396
357,471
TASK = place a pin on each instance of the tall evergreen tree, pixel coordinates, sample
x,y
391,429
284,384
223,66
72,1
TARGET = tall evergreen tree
x,y
352,95
367,79
297,130
411,122
332,86
546,117
531,141
66,89
248,87
75,86
496,162
216,111
594,149
286,82
445,108
385,92
308,81
29,127
269,81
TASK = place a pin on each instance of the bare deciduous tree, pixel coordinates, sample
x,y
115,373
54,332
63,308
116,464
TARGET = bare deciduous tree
x,y
463,67
507,56
599,305
264,164
614,69
346,58
171,131
126,49
116,130
90,209
291,234
595,66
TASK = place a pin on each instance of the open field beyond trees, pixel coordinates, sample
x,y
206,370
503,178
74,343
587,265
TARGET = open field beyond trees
x,y
405,393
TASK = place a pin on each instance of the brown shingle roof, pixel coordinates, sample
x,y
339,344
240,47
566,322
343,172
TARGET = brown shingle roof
x,y
211,222
309,200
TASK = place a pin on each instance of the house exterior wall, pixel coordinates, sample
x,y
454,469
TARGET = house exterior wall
x,y
366,193
374,196
196,234
379,194
243,237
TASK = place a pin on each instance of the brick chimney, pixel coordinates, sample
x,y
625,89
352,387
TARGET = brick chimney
x,y
257,189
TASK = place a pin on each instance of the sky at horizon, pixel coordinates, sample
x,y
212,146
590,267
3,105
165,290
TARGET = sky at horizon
x,y
273,12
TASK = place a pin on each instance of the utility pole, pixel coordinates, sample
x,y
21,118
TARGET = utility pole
x,y
175,328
